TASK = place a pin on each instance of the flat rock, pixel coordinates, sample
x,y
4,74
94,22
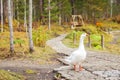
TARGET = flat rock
x,y
97,66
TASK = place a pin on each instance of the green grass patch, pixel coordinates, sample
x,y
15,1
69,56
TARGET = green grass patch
x,y
5,75
95,40
29,71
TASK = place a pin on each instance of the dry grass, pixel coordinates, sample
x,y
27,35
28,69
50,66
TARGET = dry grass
x,y
5,75
4,45
115,49
40,54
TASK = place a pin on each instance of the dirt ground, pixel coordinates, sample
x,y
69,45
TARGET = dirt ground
x,y
39,71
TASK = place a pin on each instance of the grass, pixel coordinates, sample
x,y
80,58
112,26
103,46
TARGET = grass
x,y
115,49
20,47
42,54
29,71
95,42
69,39
6,75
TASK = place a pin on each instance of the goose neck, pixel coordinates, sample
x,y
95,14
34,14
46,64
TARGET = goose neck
x,y
81,45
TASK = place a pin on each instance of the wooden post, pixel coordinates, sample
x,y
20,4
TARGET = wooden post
x,y
74,38
102,41
89,42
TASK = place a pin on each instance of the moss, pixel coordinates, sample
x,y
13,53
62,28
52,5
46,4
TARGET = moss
x,y
5,75
30,71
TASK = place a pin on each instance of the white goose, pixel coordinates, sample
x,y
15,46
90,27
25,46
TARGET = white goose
x,y
78,56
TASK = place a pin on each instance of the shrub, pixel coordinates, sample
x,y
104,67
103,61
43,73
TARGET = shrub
x,y
99,24
40,36
95,39
110,25
19,41
98,47
90,29
116,18
78,33
57,30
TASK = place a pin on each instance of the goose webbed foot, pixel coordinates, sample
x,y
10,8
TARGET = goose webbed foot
x,y
75,68
80,68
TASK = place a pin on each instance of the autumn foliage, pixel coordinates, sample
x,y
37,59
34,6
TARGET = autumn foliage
x,y
99,24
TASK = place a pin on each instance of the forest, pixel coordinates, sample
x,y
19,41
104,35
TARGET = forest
x,y
28,25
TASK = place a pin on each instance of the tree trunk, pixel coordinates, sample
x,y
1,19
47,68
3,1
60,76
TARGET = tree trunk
x,y
72,5
111,8
60,20
5,10
41,9
93,17
34,14
25,21
10,26
1,15
12,9
18,16
60,17
30,27
49,24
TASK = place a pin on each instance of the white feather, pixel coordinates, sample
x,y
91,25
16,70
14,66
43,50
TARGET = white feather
x,y
79,55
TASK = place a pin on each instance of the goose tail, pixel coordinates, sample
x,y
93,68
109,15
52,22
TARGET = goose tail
x,y
67,60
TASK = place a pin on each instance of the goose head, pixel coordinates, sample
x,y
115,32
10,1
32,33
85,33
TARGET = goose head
x,y
83,35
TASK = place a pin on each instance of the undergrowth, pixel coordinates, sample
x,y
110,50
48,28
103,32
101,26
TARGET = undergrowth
x,y
7,75
95,37
42,53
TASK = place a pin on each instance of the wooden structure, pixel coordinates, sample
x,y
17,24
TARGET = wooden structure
x,y
76,20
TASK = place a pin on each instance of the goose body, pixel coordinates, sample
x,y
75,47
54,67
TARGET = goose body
x,y
76,57
79,55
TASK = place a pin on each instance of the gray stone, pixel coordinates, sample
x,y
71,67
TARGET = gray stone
x,y
97,66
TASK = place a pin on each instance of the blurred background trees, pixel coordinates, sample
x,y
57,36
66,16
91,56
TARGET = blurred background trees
x,y
103,14
63,9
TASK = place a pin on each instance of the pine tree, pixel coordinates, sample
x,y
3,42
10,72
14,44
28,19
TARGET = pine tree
x,y
30,27
1,15
10,26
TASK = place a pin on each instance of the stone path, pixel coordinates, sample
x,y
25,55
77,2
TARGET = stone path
x,y
98,65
